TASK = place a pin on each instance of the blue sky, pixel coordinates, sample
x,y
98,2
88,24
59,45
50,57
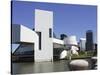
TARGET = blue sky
x,y
68,18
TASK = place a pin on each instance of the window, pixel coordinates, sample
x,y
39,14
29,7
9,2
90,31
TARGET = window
x,y
50,32
39,33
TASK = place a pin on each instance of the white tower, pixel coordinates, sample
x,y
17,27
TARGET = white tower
x,y
82,44
44,28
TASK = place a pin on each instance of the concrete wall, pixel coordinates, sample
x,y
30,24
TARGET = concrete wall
x,y
44,21
27,35
57,43
22,34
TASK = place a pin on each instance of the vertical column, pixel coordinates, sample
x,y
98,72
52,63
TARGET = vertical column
x,y
44,29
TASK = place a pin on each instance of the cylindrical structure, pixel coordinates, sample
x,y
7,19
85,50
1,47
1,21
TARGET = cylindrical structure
x,y
70,40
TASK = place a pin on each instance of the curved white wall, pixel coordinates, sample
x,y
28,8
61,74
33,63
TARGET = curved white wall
x,y
63,54
70,40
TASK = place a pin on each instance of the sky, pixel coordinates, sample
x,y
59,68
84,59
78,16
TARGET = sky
x,y
69,19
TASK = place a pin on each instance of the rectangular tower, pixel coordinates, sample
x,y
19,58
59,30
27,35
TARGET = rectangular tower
x,y
44,29
82,44
89,40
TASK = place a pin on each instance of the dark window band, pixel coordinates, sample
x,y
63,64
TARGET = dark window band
x,y
39,33
50,32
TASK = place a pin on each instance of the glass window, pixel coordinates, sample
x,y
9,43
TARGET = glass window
x,y
50,32
39,33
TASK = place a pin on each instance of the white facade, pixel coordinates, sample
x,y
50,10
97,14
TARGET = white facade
x,y
57,43
44,26
21,33
70,40
71,44
82,44
41,40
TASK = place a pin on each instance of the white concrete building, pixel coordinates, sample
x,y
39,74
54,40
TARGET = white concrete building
x,y
44,29
41,40
70,40
71,43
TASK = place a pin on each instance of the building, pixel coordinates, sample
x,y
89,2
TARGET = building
x,y
71,43
39,43
89,40
71,40
82,44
